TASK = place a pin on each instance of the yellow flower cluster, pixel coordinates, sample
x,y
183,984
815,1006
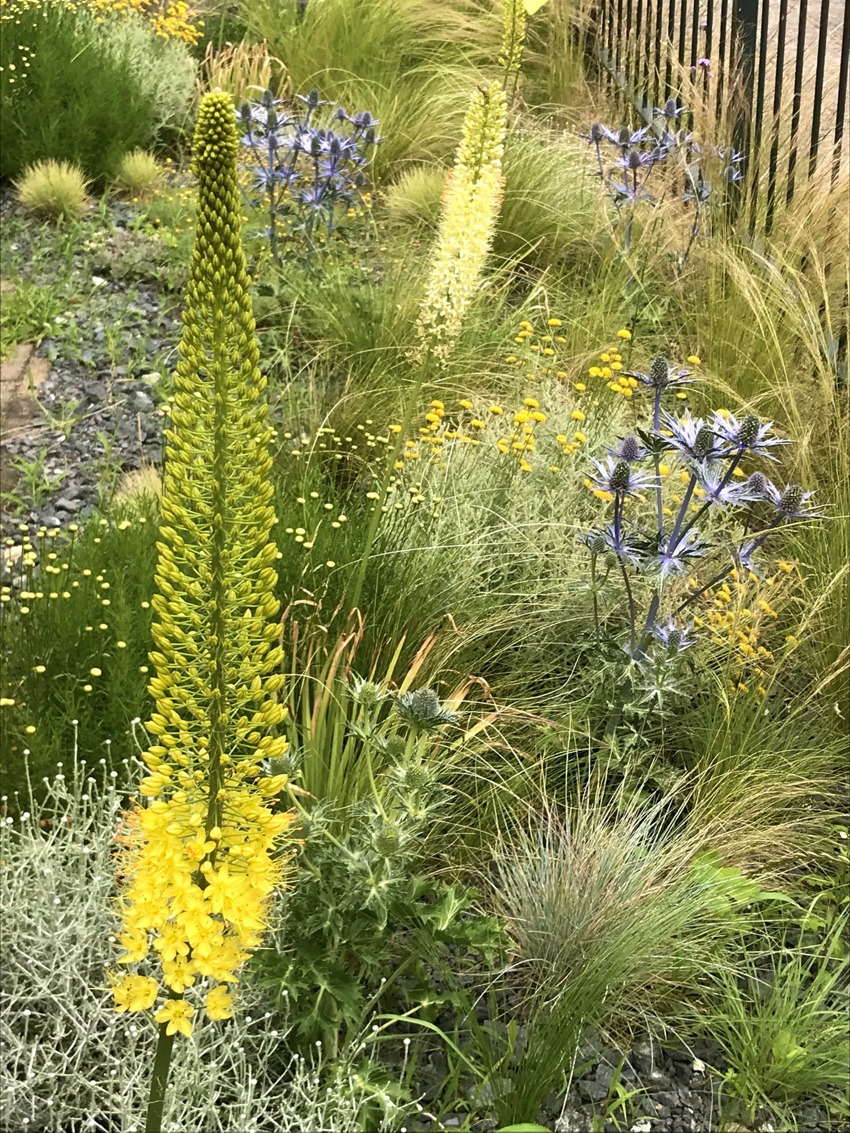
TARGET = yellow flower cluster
x,y
171,19
544,348
471,426
741,615
471,201
196,896
200,863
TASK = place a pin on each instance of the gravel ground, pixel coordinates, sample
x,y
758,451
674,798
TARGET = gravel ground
x,y
109,353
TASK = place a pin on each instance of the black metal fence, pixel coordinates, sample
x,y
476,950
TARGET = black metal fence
x,y
769,76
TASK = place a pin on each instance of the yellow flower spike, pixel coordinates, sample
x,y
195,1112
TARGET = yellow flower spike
x,y
208,816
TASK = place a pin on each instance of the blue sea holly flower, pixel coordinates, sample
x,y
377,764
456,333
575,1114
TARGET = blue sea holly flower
x,y
750,434
619,478
674,637
691,438
714,480
599,133
791,503
662,376
670,110
629,449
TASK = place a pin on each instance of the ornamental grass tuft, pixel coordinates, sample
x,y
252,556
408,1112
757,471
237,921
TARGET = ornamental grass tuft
x,y
53,189
201,860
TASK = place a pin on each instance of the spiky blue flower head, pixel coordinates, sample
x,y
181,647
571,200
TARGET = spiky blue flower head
x,y
675,638
662,376
691,438
791,502
615,475
713,478
629,449
749,434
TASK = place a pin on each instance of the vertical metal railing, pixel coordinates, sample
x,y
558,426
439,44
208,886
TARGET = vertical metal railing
x,y
775,73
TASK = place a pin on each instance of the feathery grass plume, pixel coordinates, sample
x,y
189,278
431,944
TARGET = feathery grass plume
x,y
200,858
513,42
471,201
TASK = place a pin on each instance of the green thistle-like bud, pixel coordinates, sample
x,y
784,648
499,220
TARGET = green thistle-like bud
x,y
658,371
621,477
757,483
791,499
216,649
703,442
749,430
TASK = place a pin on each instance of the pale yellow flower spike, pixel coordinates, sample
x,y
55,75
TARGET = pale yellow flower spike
x,y
471,201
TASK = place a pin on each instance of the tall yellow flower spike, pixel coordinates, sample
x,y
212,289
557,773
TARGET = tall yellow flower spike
x,y
202,858
471,201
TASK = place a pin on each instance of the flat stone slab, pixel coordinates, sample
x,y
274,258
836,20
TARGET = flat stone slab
x,y
20,375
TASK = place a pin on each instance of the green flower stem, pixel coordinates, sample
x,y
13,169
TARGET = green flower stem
x,y
159,1079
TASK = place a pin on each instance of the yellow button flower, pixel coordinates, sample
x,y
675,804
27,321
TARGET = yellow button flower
x,y
625,334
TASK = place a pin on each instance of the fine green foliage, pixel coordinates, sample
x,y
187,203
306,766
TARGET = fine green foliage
x,y
84,91
75,646
139,173
551,211
53,189
27,314
608,921
781,1023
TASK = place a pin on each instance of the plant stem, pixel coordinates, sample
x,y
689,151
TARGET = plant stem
x,y
159,1080
593,589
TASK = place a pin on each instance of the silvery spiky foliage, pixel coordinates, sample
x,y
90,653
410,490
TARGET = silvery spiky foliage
x,y
68,1058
